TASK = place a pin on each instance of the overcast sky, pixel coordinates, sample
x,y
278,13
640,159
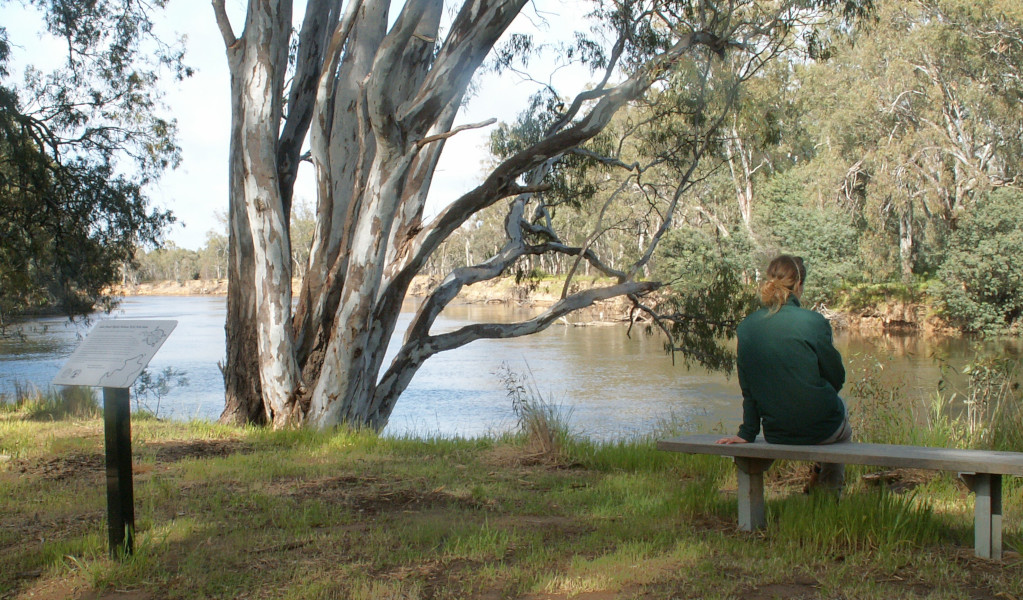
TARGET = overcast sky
x,y
197,190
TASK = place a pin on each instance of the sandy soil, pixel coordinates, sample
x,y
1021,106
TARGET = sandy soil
x,y
892,317
537,295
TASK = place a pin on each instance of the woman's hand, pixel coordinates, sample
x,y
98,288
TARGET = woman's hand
x,y
731,440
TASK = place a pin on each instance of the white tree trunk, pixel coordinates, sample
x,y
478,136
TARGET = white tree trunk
x,y
376,106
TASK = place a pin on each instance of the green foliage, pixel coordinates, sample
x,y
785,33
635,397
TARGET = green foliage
x,y
877,522
983,273
977,406
981,405
878,408
895,126
824,236
149,390
171,263
78,147
709,283
568,181
871,295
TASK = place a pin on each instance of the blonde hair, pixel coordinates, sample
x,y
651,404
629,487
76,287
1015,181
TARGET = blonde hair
x,y
784,274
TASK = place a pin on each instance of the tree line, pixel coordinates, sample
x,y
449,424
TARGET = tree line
x,y
169,262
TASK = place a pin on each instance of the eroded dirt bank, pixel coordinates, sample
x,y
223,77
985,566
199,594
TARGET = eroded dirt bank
x,y
890,317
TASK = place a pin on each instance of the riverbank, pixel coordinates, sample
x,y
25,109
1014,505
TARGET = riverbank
x,y
890,316
537,295
248,513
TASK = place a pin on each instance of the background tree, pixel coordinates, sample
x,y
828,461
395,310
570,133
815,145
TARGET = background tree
x,y
378,101
78,147
915,114
983,276
213,256
170,263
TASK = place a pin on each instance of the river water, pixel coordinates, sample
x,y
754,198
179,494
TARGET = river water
x,y
610,384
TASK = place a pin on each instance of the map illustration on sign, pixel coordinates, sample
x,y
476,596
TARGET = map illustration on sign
x,y
114,353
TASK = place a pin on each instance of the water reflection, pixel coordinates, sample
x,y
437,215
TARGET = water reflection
x,y
614,385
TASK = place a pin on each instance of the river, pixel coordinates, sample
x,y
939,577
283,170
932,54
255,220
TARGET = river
x,y
609,384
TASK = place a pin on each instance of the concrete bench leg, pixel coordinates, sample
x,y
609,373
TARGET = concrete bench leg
x,y
987,520
751,492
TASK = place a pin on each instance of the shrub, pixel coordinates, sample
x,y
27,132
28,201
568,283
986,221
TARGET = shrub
x,y
985,410
982,272
542,423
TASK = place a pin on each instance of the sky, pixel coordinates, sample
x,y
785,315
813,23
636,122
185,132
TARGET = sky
x,y
196,192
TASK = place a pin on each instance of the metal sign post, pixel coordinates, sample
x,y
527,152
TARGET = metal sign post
x,y
120,488
112,356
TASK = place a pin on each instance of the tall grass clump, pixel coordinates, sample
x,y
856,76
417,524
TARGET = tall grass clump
x,y
51,405
977,406
987,410
543,424
875,522
879,410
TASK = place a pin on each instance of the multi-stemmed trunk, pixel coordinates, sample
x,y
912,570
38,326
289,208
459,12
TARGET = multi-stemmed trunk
x,y
376,103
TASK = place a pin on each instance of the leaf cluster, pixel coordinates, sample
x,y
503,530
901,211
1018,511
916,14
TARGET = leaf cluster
x,y
825,236
78,147
710,290
982,276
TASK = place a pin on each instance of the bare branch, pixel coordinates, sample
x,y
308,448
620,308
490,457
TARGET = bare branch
x,y
657,320
497,185
597,232
224,23
607,160
476,331
459,129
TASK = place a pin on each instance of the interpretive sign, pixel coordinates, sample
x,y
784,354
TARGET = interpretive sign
x,y
114,353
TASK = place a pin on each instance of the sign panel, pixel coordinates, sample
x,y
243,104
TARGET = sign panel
x,y
114,353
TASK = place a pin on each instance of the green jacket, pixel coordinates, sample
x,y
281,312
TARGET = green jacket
x,y
790,374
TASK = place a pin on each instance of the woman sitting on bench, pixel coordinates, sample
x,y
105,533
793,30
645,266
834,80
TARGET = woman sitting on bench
x,y
790,372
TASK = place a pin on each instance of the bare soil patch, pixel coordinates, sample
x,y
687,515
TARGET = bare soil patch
x,y
62,468
373,495
796,589
176,451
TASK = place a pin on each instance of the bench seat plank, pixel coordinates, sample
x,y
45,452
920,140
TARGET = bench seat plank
x,y
884,455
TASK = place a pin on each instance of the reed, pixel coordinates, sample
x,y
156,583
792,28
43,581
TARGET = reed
x,y
543,423
50,404
986,412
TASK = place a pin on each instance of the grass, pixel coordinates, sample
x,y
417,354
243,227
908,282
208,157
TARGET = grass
x,y
32,403
225,512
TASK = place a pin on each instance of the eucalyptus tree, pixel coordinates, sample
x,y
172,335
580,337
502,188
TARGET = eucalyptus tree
x,y
918,114
763,136
377,95
78,148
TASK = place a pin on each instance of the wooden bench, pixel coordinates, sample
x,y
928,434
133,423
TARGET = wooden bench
x,y
982,471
